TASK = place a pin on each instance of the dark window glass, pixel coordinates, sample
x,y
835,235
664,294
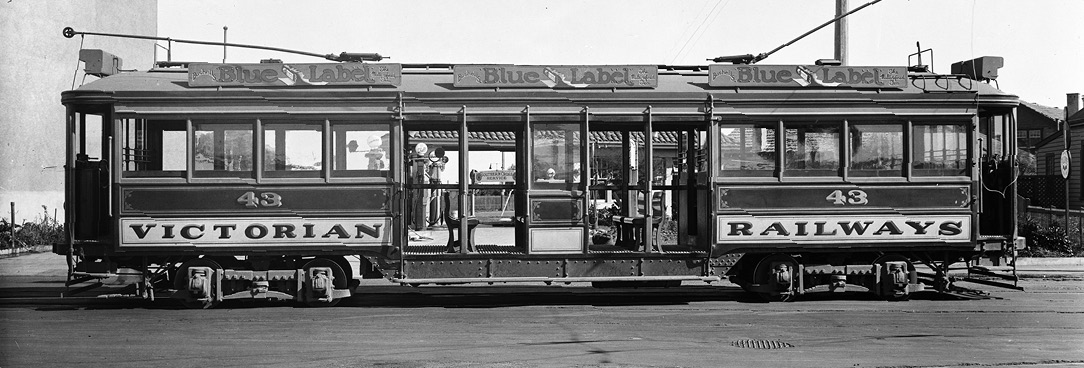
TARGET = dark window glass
x,y
812,149
876,150
747,150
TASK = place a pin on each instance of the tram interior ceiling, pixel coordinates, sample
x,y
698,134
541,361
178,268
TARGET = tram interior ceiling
x,y
291,185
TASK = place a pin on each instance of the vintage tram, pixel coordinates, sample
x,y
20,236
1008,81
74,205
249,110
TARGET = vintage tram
x,y
290,181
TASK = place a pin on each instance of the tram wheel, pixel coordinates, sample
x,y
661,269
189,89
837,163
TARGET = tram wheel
x,y
182,282
781,271
882,260
340,281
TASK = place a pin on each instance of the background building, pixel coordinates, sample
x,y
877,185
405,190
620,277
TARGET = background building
x,y
36,64
1045,187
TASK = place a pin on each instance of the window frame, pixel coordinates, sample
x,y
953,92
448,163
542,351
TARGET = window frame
x,y
840,153
332,149
854,173
907,173
135,134
224,125
289,125
968,150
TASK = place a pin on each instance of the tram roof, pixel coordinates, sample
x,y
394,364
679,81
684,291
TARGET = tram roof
x,y
672,83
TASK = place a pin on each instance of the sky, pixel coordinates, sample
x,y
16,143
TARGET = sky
x,y
1043,53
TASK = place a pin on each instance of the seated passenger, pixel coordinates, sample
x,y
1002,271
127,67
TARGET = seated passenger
x,y
550,176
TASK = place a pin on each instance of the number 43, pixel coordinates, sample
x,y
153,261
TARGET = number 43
x,y
266,199
852,197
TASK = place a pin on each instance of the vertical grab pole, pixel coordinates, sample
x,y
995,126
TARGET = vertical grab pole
x,y
399,166
524,170
585,183
464,181
649,177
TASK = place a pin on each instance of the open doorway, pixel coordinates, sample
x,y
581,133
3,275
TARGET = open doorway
x,y
442,214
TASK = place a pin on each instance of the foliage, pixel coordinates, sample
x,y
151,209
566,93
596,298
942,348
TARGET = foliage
x,y
1048,239
46,230
1027,162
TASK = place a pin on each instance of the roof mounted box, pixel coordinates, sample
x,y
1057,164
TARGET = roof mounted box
x,y
99,63
983,68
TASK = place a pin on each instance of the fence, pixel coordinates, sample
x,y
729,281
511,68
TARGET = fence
x,y
1042,190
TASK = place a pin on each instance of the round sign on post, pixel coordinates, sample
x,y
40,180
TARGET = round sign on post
x,y
1065,164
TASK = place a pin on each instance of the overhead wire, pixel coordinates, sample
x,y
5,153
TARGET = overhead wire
x,y
685,33
698,28
712,21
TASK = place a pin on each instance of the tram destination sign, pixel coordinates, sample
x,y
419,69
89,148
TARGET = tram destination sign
x,y
280,74
744,229
230,231
725,75
556,76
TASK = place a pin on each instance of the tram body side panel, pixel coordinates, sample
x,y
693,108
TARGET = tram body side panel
x,y
844,217
247,219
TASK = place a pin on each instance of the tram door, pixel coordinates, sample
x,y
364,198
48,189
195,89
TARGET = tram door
x,y
556,197
463,192
645,195
678,212
494,189
997,151
88,176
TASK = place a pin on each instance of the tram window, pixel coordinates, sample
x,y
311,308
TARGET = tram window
x,y
223,149
293,149
812,149
747,150
92,136
876,150
154,148
556,155
360,150
607,167
939,150
992,130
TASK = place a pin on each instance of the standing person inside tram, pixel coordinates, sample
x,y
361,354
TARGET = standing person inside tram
x,y
434,172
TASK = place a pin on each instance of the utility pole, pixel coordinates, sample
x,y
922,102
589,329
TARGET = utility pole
x,y
1066,166
841,32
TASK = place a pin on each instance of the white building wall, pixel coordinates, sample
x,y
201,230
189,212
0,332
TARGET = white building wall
x,y
36,64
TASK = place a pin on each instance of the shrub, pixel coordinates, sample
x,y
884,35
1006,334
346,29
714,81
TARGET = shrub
x,y
1047,239
47,230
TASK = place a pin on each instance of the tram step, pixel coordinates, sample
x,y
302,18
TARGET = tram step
x,y
992,273
992,283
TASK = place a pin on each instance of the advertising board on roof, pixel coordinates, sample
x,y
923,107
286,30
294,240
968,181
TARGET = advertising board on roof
x,y
557,76
279,74
725,75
